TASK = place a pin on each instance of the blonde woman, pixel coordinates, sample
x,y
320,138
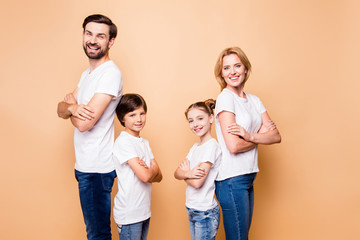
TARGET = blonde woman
x,y
241,123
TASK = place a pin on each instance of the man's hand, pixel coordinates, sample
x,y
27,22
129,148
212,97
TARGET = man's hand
x,y
70,99
81,111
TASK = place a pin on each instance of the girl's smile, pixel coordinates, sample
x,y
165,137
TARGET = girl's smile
x,y
200,123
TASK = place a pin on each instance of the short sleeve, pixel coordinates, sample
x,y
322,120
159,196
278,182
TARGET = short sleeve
x,y
124,150
150,151
189,156
224,102
83,75
211,153
110,83
262,108
257,103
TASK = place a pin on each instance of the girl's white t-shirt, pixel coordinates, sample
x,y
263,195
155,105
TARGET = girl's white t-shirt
x,y
203,198
132,202
248,115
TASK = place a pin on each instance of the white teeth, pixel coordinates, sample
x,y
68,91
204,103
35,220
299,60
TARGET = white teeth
x,y
92,48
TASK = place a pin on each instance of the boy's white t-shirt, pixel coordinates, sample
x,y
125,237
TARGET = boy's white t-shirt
x,y
132,202
202,199
248,115
93,148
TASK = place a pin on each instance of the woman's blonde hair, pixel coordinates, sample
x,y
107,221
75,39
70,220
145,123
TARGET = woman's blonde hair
x,y
219,64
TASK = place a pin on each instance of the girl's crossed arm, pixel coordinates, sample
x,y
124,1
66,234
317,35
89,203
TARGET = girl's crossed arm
x,y
194,177
145,173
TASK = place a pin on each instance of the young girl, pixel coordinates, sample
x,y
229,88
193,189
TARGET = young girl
x,y
136,169
199,170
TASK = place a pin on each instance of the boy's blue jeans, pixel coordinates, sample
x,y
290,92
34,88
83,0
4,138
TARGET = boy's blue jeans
x,y
135,231
203,224
236,198
95,198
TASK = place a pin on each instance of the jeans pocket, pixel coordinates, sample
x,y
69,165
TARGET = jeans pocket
x,y
84,179
108,180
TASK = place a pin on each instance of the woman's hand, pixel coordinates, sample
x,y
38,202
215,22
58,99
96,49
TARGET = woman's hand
x,y
267,126
236,129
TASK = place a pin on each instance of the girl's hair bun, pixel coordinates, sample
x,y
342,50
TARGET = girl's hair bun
x,y
210,103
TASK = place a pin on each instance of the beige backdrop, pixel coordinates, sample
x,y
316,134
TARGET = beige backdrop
x,y
305,70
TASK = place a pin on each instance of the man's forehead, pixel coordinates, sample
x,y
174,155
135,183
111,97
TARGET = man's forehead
x,y
99,28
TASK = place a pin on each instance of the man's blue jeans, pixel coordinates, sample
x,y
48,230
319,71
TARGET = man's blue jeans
x,y
135,231
203,224
236,198
95,197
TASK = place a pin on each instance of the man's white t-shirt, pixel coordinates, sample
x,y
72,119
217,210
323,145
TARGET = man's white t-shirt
x,y
93,148
132,202
248,115
203,198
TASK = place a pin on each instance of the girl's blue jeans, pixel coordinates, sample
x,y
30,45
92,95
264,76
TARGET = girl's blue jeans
x,y
95,198
203,224
236,198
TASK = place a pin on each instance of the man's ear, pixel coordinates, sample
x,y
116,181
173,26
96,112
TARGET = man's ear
x,y
111,42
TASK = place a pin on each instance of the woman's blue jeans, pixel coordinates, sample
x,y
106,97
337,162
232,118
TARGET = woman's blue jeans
x,y
95,198
203,224
236,198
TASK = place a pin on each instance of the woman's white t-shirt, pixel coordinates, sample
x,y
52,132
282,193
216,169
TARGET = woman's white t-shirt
x,y
248,115
203,198
132,202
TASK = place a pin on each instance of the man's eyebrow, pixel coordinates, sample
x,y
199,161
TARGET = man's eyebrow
x,y
88,31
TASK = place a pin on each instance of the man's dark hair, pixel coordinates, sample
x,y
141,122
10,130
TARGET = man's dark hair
x,y
98,18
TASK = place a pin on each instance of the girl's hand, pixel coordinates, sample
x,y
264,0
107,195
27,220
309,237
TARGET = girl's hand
x,y
197,172
239,130
185,165
142,163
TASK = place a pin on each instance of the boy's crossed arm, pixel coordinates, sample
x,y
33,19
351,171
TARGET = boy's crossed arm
x,y
145,173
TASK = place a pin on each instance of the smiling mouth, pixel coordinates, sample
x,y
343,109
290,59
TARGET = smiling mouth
x,y
197,130
94,48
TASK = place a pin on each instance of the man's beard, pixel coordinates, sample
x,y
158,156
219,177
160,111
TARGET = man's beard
x,y
98,55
